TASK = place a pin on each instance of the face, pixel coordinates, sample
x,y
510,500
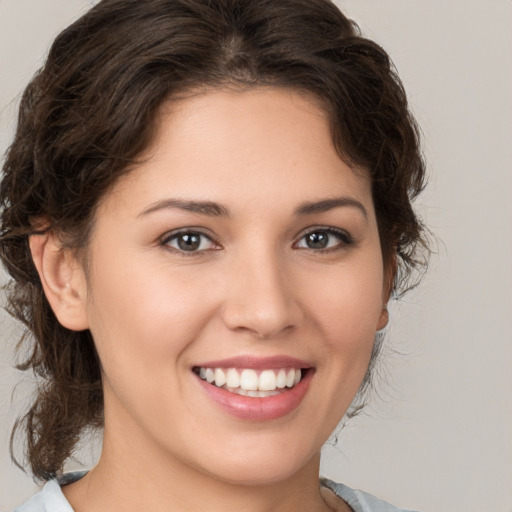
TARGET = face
x,y
234,289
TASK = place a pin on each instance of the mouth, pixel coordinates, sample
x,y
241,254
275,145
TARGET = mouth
x,y
252,382
255,388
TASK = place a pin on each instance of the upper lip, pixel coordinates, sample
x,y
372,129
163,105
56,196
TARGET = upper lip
x,y
256,363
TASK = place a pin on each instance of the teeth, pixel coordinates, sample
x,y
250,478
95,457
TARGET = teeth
x,y
290,378
281,379
232,378
210,376
267,381
248,382
220,377
254,394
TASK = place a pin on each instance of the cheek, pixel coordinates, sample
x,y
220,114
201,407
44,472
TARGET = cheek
x,y
142,328
143,317
347,308
348,304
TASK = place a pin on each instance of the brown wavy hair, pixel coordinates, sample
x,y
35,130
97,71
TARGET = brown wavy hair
x,y
90,112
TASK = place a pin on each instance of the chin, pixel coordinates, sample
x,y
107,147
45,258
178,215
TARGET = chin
x,y
264,465
255,475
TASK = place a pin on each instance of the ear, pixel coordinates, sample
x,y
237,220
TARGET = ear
x,y
63,280
389,277
383,317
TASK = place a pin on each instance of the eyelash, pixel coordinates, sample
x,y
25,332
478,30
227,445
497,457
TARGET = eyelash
x,y
167,239
344,240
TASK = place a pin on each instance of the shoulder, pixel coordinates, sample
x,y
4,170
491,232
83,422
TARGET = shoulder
x,y
50,498
360,501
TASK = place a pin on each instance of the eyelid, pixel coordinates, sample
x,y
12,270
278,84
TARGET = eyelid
x,y
344,237
170,235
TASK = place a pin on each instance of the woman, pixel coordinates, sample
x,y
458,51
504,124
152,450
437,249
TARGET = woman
x,y
206,209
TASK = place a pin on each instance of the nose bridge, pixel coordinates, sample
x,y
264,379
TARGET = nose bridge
x,y
260,298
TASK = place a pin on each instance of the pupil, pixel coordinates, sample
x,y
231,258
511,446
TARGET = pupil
x,y
317,240
188,242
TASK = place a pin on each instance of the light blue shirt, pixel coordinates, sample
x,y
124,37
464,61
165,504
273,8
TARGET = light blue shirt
x,y
51,499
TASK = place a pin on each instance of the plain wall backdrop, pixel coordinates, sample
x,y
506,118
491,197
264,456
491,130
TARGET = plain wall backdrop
x,y
438,437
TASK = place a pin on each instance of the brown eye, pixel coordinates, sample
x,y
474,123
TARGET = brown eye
x,y
318,240
321,239
189,241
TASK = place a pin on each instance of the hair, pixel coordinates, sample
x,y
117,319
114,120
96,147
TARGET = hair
x,y
91,110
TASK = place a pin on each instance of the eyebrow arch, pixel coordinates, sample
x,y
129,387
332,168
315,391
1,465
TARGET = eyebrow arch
x,y
203,207
325,205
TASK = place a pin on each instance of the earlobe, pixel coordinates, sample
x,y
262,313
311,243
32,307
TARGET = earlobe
x,y
383,318
62,278
389,278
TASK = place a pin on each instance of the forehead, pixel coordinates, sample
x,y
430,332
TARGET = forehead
x,y
235,116
260,145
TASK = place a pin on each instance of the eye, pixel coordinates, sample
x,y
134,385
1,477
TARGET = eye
x,y
189,241
324,239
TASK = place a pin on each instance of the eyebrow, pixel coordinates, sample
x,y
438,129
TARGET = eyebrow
x,y
202,207
212,209
325,205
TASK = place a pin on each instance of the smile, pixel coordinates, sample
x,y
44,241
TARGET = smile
x,y
255,388
251,382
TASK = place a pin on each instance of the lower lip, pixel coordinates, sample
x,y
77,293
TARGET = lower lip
x,y
259,409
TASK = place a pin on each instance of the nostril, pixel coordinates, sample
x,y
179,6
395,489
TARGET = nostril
x,y
261,322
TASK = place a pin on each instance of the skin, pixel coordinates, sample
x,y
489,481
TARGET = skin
x,y
253,288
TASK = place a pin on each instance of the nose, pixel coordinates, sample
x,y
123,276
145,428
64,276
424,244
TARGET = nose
x,y
261,297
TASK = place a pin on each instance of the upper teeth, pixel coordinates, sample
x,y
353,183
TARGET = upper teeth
x,y
249,379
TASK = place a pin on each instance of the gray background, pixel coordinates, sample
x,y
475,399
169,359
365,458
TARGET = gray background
x,y
439,435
